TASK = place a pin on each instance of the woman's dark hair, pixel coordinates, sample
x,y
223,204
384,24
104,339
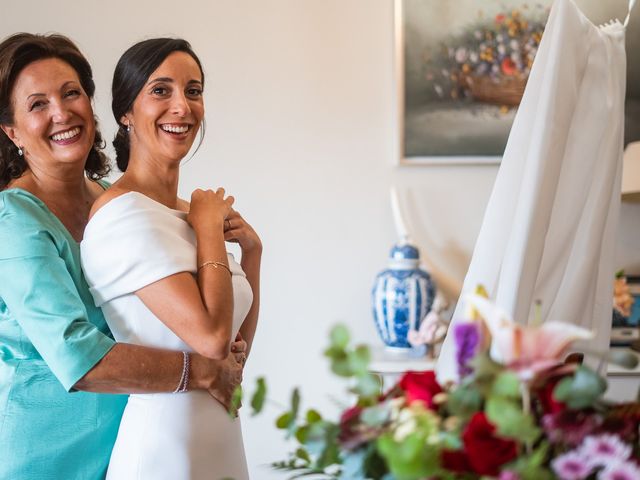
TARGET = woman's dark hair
x,y
132,72
16,53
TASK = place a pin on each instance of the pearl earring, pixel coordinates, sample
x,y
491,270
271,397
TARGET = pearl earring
x,y
20,151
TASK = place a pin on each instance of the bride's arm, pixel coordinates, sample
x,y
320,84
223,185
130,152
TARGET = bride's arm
x,y
199,312
240,231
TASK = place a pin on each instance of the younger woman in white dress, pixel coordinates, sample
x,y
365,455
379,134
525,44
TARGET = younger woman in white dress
x,y
159,268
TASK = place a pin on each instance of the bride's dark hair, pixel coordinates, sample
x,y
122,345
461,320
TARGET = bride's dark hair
x,y
132,72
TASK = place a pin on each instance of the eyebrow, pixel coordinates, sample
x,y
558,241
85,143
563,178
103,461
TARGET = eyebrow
x,y
44,95
170,80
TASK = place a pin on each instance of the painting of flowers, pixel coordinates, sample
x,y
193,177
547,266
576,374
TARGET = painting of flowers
x,y
463,66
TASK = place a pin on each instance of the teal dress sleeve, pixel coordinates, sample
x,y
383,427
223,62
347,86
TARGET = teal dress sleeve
x,y
42,296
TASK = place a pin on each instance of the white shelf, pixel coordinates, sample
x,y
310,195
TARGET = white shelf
x,y
384,361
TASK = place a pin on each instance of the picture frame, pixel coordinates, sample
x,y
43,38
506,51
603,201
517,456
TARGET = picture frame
x,y
626,330
433,41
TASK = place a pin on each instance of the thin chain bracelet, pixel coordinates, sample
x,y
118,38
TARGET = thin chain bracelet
x,y
215,265
184,379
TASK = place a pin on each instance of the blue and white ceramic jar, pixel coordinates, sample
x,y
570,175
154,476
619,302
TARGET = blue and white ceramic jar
x,y
402,296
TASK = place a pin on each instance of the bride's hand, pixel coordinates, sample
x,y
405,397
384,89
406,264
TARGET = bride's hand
x,y
237,230
208,210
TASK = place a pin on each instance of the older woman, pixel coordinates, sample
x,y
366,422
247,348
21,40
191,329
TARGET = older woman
x,y
53,339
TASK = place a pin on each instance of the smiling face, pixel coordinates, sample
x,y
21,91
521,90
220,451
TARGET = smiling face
x,y
52,116
168,111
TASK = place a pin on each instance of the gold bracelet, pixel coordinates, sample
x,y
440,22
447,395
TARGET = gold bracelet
x,y
215,265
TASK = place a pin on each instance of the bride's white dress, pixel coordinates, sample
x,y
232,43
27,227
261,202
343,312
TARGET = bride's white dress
x,y
129,243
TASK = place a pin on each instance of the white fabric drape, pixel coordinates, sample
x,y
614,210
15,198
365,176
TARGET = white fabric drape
x,y
549,228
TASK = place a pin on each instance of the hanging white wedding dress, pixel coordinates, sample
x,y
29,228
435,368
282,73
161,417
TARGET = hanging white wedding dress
x,y
549,227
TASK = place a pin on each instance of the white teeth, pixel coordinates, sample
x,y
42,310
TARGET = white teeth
x,y
175,128
66,135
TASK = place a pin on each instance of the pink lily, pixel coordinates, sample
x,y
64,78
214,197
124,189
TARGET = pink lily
x,y
528,350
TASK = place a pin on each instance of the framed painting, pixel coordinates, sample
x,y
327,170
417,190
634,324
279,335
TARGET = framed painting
x,y
462,66
625,328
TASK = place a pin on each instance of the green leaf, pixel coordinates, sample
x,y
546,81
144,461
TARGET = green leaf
x,y
359,359
510,420
259,396
484,367
376,416
302,434
464,401
506,385
236,401
302,454
339,336
368,385
353,465
295,402
284,421
410,458
313,416
582,390
531,467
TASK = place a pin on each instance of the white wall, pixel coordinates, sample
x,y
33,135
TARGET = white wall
x,y
301,115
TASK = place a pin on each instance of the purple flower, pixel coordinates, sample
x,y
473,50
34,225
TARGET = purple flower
x,y
604,449
509,475
620,471
571,466
467,337
570,427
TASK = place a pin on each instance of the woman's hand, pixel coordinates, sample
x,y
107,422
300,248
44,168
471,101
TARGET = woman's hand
x,y
208,210
237,230
224,375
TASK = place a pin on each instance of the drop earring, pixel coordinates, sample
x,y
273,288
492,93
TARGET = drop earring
x,y
20,151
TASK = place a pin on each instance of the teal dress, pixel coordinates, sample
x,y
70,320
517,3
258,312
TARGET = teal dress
x,y
51,335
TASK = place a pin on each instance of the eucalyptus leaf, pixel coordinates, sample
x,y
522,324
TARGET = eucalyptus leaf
x,y
284,421
376,416
302,454
295,402
353,465
339,336
236,401
313,416
359,359
368,385
581,390
259,396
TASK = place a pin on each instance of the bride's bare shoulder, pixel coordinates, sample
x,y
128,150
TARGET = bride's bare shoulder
x,y
108,195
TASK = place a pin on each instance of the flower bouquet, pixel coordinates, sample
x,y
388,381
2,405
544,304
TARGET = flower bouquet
x,y
519,411
491,60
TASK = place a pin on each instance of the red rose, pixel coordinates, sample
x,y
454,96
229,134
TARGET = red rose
x,y
547,401
455,461
349,436
485,451
420,386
